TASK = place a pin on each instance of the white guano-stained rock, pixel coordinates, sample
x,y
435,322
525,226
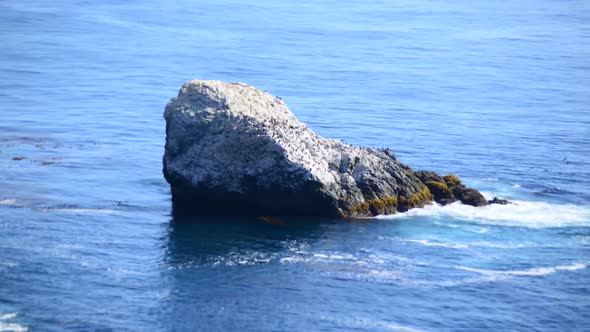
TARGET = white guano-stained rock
x,y
233,149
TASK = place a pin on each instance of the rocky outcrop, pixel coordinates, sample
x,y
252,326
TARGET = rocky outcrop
x,y
449,189
233,149
500,201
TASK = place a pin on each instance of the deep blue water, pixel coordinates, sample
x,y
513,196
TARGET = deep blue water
x,y
494,91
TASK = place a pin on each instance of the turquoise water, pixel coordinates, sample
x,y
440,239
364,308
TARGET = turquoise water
x,y
494,91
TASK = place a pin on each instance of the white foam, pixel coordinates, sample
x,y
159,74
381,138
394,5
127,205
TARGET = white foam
x,y
500,245
537,271
8,202
388,326
446,224
9,265
11,327
371,324
236,258
351,322
485,276
521,213
340,259
382,274
438,244
73,210
464,245
459,282
288,260
334,256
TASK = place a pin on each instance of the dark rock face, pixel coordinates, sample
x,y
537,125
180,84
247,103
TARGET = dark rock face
x,y
500,201
470,196
233,149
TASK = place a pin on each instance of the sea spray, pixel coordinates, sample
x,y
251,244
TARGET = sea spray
x,y
521,213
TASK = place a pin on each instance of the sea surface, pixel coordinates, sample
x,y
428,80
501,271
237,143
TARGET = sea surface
x,y
497,92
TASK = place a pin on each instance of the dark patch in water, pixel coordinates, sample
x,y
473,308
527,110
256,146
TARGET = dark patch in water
x,y
554,191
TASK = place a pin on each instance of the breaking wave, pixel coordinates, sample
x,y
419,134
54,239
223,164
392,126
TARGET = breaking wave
x,y
537,271
465,245
9,326
65,208
438,244
367,323
521,213
80,211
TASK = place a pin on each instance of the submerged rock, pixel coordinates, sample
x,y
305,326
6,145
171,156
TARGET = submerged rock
x,y
500,201
233,149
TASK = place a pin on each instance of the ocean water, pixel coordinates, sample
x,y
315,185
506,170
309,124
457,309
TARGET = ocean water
x,y
494,91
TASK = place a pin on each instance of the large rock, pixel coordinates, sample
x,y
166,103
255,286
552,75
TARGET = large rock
x,y
233,149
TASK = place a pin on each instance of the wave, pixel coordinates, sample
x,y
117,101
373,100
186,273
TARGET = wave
x,y
400,276
367,323
521,213
76,210
7,265
487,244
297,256
7,316
67,208
537,271
501,245
10,327
458,282
438,244
334,256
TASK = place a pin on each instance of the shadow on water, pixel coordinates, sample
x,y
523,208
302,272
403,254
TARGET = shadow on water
x,y
205,240
226,271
